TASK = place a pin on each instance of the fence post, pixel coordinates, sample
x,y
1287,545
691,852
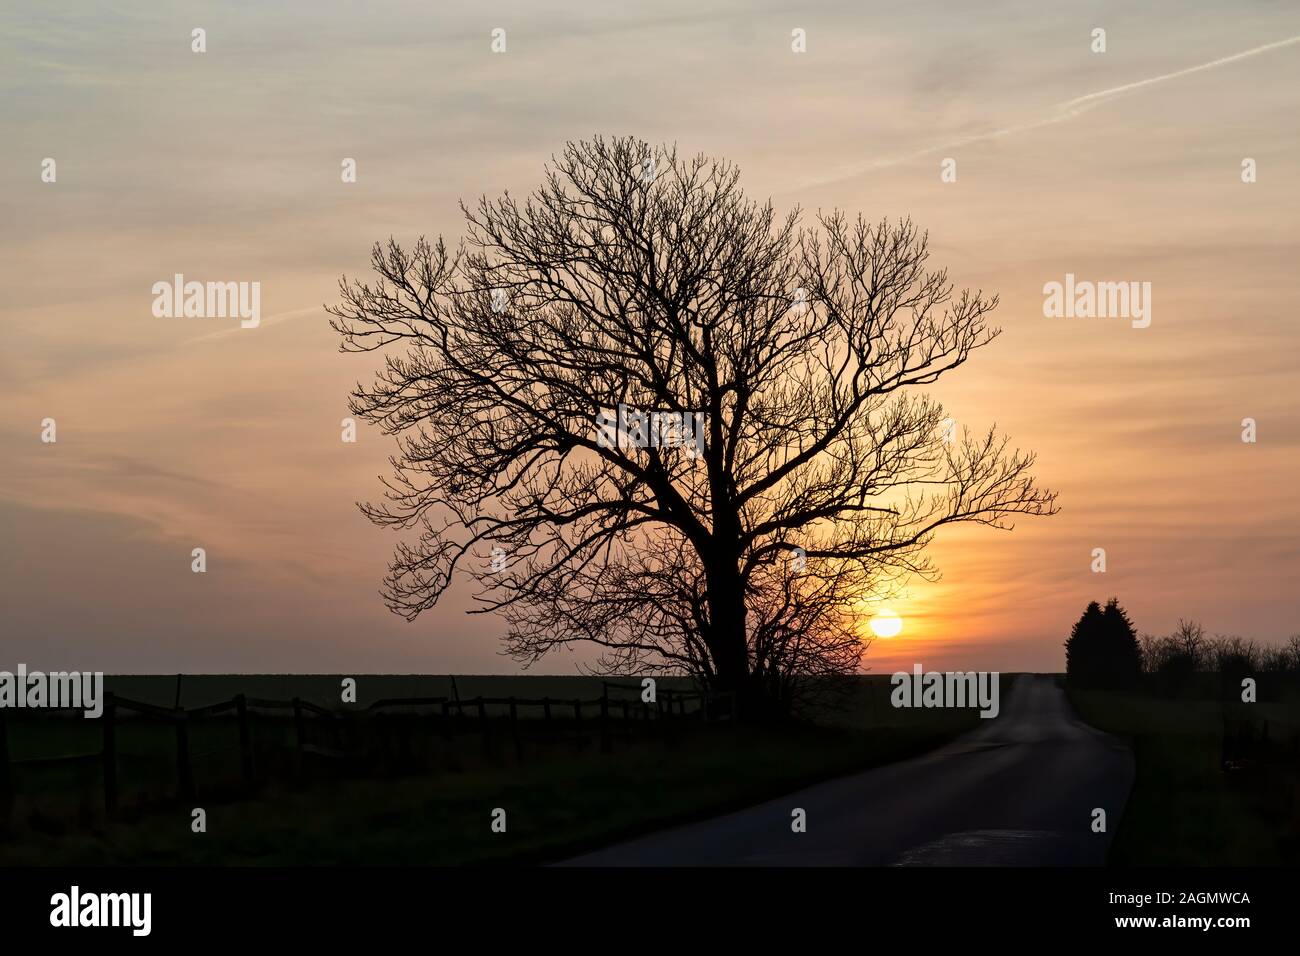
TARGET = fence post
x,y
446,720
299,733
109,753
546,709
184,773
579,742
514,731
245,740
668,728
6,778
483,726
606,744
403,740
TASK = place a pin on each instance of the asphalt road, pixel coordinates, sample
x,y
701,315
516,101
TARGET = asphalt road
x,y
1019,790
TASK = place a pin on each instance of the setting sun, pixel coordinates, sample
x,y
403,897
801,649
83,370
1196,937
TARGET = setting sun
x,y
886,624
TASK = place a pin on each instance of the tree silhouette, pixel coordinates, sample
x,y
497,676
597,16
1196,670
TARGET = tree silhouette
x,y
1123,652
1174,658
789,475
1103,648
1081,647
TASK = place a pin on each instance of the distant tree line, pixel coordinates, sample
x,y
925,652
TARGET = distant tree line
x,y
1105,651
1171,661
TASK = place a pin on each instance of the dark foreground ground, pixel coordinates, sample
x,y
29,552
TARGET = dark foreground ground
x,y
1217,781
412,788
1020,789
1214,782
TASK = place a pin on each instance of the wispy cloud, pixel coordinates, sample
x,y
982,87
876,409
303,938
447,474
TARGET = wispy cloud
x,y
1061,112
269,320
1079,104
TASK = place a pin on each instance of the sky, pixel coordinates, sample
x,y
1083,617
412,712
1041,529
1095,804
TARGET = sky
x,y
177,433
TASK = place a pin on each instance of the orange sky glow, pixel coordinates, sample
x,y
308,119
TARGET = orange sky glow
x,y
181,433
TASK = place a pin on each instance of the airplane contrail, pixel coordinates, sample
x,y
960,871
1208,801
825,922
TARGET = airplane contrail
x,y
275,319
1070,108
1232,58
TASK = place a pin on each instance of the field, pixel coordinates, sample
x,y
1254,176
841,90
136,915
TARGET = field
x,y
1187,808
418,788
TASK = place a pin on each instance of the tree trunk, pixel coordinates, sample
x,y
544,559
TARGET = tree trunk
x,y
728,641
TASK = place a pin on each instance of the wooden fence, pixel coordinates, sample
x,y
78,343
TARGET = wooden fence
x,y
319,732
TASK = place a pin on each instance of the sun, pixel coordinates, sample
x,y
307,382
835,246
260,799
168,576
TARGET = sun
x,y
886,623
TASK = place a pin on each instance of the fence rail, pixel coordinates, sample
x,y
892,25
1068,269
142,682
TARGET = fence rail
x,y
322,732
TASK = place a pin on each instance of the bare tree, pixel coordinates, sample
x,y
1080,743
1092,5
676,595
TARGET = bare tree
x,y
1190,641
1154,652
635,279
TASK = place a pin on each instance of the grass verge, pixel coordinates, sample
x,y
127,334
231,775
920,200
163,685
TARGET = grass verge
x,y
554,808
1185,810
